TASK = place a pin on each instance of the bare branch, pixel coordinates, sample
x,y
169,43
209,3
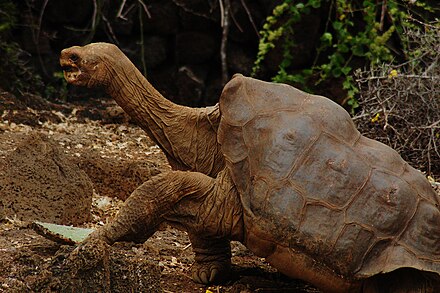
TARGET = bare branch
x,y
110,30
224,43
119,14
147,12
243,2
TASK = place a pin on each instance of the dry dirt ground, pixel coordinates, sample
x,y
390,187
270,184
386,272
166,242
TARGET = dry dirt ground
x,y
113,152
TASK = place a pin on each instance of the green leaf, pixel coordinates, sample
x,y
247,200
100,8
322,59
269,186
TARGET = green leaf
x,y
336,72
358,50
337,25
343,48
326,39
346,70
315,3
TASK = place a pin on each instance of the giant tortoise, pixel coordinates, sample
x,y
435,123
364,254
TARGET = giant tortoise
x,y
293,180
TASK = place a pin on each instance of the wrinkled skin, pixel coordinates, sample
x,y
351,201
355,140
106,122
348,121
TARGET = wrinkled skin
x,y
187,136
260,196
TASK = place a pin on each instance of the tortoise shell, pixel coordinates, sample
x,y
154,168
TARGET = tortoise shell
x,y
311,183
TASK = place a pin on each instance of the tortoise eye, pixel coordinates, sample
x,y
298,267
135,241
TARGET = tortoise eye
x,y
73,57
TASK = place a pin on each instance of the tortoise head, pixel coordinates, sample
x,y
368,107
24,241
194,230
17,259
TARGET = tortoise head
x,y
90,65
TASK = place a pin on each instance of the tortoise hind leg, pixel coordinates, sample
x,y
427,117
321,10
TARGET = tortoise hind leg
x,y
219,220
404,280
212,259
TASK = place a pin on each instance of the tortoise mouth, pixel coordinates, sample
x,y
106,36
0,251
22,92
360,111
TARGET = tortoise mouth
x,y
71,72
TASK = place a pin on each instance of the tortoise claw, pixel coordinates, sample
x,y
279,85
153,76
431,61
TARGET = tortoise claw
x,y
210,272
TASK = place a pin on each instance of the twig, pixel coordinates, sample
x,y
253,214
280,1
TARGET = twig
x,y
434,143
119,14
222,13
382,14
127,11
435,26
147,12
432,126
40,21
95,13
95,21
236,23
250,17
110,29
37,37
223,48
141,26
399,76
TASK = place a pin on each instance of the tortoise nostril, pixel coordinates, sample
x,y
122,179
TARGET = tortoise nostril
x,y
73,57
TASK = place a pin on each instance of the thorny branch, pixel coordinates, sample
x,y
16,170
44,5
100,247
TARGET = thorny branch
x,y
400,105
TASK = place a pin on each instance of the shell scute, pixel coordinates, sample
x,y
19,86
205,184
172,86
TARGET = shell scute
x,y
423,232
419,184
277,141
276,97
331,172
380,155
334,119
385,204
233,144
241,175
320,228
235,106
258,196
343,257
286,205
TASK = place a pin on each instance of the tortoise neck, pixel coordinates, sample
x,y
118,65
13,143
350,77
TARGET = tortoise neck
x,y
188,136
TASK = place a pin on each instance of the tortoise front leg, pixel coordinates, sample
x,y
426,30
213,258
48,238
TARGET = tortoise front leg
x,y
151,203
174,196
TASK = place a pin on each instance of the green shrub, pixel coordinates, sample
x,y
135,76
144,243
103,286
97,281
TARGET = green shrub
x,y
354,29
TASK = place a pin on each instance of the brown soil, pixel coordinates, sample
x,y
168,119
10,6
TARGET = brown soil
x,y
117,158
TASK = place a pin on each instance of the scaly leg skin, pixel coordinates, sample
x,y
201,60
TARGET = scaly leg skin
x,y
212,259
151,203
172,195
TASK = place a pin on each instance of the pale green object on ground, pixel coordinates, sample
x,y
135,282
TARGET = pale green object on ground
x,y
61,233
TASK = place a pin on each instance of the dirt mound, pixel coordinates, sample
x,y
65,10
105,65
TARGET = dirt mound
x,y
35,264
39,182
116,177
101,268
